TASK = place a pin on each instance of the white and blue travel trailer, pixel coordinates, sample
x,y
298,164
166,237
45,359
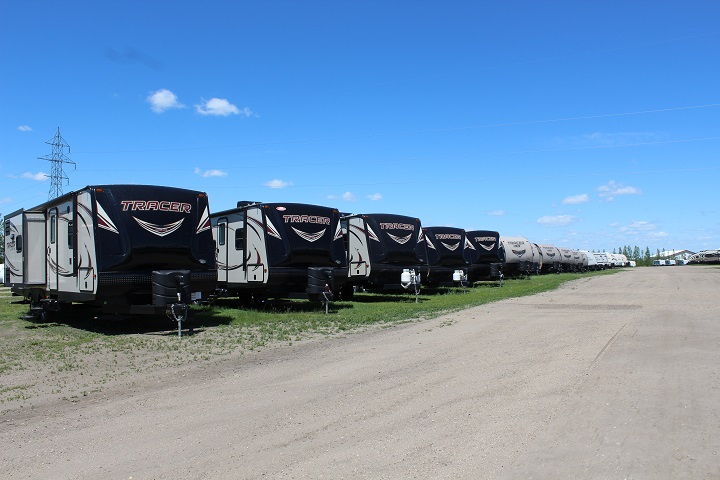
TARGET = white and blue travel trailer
x,y
282,250
518,256
446,264
384,251
551,258
485,254
126,248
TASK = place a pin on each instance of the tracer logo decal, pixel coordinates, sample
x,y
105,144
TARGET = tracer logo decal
x,y
310,237
452,248
159,230
400,240
156,205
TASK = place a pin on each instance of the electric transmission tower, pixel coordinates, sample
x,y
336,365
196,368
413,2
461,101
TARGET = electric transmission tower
x,y
56,159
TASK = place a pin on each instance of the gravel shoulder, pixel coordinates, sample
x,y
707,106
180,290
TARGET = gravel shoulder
x,y
607,377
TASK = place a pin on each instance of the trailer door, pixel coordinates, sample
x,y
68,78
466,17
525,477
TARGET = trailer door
x,y
252,247
221,230
52,249
357,248
66,249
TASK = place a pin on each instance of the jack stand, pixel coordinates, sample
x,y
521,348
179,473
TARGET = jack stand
x,y
327,295
178,312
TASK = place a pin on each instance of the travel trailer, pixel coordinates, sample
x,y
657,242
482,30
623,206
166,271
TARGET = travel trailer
x,y
537,259
384,251
485,255
446,264
518,256
602,260
592,264
282,250
568,263
551,258
127,248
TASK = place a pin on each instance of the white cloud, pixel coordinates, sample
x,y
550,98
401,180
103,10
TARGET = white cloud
x,y
375,196
277,183
347,196
612,189
24,128
556,221
162,100
5,200
210,173
576,199
39,176
496,213
220,107
639,225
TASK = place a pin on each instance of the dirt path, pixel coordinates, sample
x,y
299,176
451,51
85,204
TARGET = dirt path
x,y
609,377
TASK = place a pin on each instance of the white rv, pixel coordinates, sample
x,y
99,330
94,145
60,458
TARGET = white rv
x,y
592,263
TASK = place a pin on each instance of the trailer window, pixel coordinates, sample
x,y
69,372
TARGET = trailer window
x,y
222,228
52,229
71,235
18,244
239,238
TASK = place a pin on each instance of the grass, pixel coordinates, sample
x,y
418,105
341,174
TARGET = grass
x,y
79,353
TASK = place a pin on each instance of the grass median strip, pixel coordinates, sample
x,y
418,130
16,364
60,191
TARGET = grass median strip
x,y
78,354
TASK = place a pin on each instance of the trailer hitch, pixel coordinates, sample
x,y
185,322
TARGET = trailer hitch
x,y
179,311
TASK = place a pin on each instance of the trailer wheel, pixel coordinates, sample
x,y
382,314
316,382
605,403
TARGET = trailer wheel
x,y
347,292
259,299
244,298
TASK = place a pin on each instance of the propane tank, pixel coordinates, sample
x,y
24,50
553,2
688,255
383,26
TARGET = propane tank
x,y
405,278
459,276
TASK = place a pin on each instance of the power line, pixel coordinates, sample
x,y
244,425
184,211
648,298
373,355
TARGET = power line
x,y
57,158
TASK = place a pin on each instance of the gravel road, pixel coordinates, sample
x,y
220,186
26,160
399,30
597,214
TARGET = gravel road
x,y
608,377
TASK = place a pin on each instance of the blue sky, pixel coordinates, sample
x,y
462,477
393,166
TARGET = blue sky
x,y
591,125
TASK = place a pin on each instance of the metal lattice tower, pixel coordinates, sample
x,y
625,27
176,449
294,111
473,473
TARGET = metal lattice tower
x,y
56,159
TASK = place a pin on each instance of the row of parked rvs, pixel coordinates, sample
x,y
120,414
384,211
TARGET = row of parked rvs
x,y
151,249
705,256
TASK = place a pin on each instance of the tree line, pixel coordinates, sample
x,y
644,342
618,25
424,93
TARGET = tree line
x,y
642,258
